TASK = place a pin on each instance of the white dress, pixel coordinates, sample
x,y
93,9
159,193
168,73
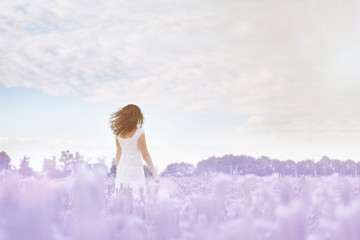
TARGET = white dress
x,y
130,170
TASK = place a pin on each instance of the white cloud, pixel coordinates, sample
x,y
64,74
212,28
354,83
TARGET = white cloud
x,y
291,62
309,130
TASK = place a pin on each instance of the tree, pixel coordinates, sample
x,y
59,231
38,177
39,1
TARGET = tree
x,y
325,166
49,167
264,166
206,167
306,168
178,170
347,168
288,168
113,168
69,161
25,170
4,161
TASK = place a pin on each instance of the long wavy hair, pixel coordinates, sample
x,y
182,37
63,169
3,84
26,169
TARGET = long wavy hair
x,y
126,119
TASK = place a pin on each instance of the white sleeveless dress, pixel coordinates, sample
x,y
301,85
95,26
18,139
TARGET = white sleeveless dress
x,y
130,170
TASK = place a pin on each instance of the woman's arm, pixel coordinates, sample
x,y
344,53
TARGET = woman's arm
x,y
146,156
118,152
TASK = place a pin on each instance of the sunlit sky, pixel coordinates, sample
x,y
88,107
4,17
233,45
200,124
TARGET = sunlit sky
x,y
275,78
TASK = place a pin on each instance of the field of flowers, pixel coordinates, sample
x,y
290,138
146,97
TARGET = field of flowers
x,y
80,207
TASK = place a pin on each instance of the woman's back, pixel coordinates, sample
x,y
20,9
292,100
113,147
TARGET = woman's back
x,y
130,170
130,144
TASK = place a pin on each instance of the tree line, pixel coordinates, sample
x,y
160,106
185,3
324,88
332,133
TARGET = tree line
x,y
263,166
52,167
227,164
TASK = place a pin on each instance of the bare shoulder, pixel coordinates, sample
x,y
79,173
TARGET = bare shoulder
x,y
142,136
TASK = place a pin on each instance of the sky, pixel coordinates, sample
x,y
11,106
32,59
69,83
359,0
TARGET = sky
x,y
275,78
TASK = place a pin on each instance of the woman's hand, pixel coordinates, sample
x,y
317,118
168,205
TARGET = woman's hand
x,y
156,178
156,175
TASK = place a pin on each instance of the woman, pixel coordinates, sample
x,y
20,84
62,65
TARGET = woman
x,y
130,142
